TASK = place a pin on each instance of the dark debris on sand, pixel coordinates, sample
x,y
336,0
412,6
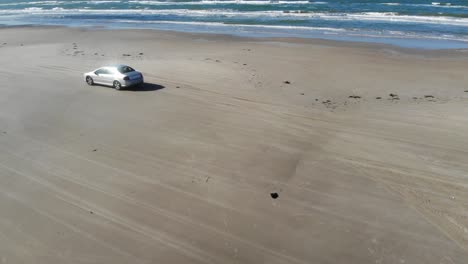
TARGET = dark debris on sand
x,y
329,104
274,195
287,82
354,96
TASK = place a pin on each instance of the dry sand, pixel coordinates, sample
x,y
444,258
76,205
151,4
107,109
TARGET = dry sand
x,y
182,169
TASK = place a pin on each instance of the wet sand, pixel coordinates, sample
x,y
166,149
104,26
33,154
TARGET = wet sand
x,y
235,151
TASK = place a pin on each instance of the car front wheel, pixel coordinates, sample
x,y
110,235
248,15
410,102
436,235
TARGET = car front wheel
x,y
89,80
117,85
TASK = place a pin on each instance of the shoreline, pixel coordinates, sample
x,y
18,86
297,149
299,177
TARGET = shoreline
x,y
404,24
291,40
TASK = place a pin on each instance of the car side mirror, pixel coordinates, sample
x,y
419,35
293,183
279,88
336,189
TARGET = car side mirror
x,y
96,73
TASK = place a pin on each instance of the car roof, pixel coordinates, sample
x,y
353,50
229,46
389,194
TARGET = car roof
x,y
116,66
119,66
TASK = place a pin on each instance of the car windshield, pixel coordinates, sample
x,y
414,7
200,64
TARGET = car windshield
x,y
125,69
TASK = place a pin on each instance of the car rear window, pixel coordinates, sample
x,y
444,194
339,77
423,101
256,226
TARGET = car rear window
x,y
125,69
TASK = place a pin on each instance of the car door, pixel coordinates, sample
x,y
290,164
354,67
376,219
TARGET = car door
x,y
106,76
99,76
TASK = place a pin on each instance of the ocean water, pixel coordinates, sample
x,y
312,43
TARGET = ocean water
x,y
409,23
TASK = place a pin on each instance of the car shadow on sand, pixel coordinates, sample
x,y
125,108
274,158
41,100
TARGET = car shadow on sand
x,y
145,87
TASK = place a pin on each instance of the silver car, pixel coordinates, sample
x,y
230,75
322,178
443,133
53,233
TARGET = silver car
x,y
118,76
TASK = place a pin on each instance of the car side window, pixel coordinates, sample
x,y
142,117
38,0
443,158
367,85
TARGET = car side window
x,y
102,71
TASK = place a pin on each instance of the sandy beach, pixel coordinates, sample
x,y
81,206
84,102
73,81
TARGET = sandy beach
x,y
236,150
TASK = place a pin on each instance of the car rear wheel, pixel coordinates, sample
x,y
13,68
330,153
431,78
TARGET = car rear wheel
x,y
89,80
117,85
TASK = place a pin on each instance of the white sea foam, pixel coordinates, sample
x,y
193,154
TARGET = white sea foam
x,y
217,2
394,17
220,24
214,2
31,3
48,3
441,4
33,9
102,2
249,2
181,12
369,16
433,5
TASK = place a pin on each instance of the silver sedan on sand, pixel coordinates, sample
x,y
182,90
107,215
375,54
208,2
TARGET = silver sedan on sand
x,y
118,76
